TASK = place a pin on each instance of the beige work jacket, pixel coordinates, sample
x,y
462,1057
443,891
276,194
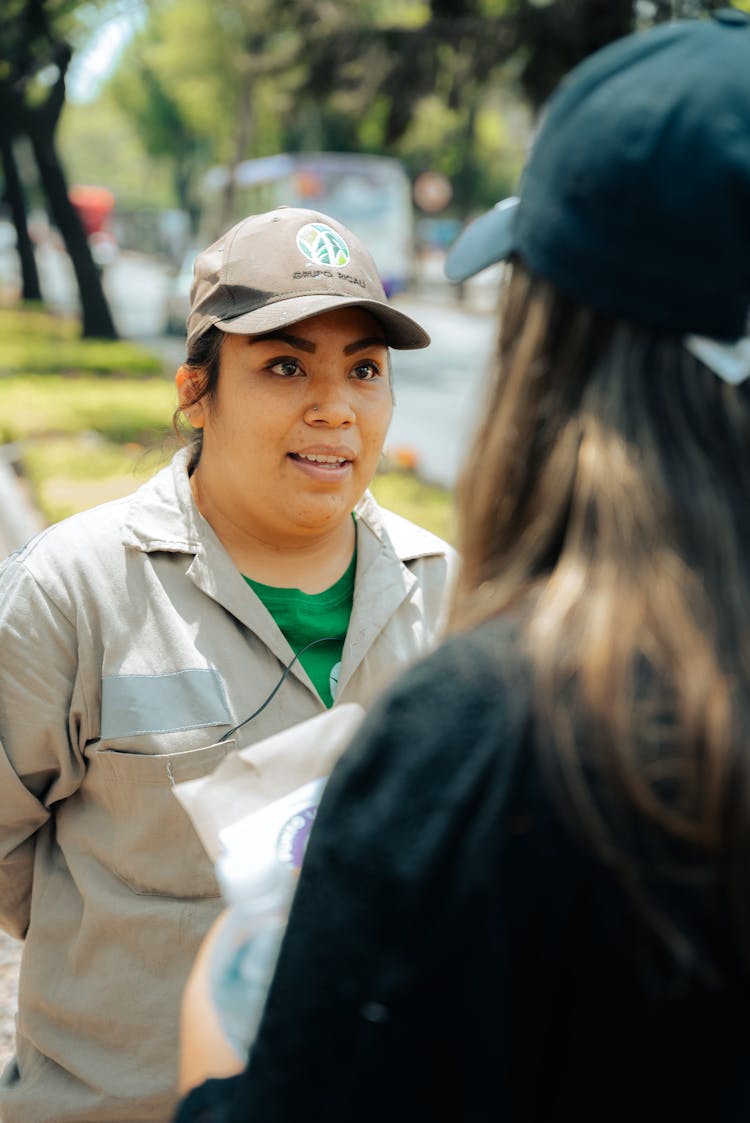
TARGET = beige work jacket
x,y
129,643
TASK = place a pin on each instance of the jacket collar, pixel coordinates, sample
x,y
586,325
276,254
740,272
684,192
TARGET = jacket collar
x,y
407,540
162,516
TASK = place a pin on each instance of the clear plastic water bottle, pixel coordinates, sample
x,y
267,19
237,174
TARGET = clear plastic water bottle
x,y
258,890
257,871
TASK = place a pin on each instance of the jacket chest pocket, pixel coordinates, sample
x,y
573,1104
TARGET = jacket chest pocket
x,y
146,837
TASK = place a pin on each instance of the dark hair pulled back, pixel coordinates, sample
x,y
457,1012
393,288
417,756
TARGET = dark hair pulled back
x,y
204,357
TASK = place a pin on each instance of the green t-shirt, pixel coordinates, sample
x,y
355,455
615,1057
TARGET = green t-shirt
x,y
304,617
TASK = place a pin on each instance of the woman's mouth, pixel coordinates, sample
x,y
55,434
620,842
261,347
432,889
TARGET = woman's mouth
x,y
321,465
314,458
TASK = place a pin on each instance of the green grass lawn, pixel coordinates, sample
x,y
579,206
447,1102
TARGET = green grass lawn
x,y
427,504
120,410
33,342
93,420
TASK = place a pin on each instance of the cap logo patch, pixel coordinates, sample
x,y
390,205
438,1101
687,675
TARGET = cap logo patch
x,y
322,245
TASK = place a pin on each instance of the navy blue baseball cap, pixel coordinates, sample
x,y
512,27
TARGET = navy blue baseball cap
x,y
635,198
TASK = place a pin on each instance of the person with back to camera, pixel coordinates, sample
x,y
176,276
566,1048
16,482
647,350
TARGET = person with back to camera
x,y
137,639
525,893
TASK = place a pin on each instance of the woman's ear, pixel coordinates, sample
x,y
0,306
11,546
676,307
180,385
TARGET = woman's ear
x,y
188,389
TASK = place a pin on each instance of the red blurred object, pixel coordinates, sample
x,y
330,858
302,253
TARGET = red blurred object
x,y
94,206
405,457
308,184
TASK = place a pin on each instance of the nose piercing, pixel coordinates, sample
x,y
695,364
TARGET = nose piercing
x,y
315,409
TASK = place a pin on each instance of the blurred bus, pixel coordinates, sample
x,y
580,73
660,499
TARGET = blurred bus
x,y
371,195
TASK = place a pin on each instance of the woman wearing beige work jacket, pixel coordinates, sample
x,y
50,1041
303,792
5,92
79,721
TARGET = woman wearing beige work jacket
x,y
136,636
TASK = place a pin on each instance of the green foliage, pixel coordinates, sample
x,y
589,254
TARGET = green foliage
x,y
70,474
100,145
481,152
205,84
427,504
91,433
32,341
121,410
85,458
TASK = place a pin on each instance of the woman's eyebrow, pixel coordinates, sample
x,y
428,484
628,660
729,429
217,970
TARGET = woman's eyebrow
x,y
361,344
284,337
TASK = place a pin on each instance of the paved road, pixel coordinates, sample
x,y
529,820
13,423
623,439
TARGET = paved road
x,y
439,391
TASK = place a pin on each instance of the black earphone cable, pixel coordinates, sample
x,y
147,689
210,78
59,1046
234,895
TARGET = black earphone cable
x,y
277,687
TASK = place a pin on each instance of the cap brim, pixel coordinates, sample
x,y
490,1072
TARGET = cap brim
x,y
401,332
484,242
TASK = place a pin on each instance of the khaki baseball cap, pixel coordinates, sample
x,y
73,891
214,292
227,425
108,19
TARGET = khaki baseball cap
x,y
275,269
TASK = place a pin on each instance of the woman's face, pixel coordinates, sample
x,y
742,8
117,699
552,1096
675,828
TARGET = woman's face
x,y
293,436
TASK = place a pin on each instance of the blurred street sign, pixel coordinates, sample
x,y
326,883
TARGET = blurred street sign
x,y
432,192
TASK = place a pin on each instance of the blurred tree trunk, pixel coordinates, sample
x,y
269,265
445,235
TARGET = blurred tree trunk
x,y
242,137
40,124
14,197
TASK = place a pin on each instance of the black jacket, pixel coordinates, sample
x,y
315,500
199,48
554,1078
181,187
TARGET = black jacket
x,y
456,954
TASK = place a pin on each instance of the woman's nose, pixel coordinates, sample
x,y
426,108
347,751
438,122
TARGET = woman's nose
x,y
332,411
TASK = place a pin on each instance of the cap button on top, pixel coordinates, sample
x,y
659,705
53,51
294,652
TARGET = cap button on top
x,y
732,17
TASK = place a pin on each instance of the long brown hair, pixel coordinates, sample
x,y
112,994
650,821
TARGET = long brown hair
x,y
608,493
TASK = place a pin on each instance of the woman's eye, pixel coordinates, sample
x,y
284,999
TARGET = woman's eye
x,y
287,368
366,371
